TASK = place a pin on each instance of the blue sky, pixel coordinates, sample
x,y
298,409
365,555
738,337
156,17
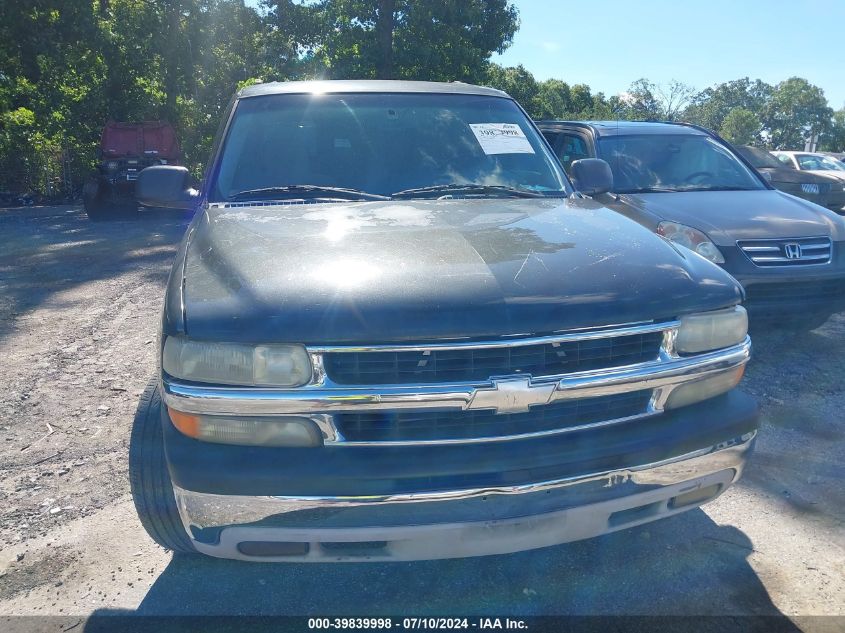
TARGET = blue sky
x,y
607,44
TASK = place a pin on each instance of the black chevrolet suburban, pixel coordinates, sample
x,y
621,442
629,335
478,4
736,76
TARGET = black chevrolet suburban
x,y
395,331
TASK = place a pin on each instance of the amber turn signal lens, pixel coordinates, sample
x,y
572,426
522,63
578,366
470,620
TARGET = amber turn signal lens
x,y
185,422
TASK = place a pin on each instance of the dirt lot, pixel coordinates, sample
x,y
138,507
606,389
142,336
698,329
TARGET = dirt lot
x,y
79,309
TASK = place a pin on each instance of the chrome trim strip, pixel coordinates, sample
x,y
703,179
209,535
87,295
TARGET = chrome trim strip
x,y
756,249
586,335
212,510
325,424
668,371
820,238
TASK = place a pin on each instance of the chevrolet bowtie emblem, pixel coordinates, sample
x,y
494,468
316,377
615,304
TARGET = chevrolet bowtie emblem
x,y
511,395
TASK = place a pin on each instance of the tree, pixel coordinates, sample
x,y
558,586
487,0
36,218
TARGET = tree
x,y
710,107
673,98
648,101
834,140
518,83
796,112
741,127
384,38
640,102
67,66
412,39
582,101
553,100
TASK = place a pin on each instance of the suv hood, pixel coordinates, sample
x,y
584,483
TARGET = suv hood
x,y
727,216
785,174
830,173
428,270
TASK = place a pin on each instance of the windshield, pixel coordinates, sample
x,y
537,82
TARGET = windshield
x,y
382,144
821,163
674,162
758,158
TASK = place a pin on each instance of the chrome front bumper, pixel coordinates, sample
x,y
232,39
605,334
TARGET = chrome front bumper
x,y
315,525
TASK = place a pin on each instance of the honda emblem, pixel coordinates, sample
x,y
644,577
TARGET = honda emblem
x,y
792,250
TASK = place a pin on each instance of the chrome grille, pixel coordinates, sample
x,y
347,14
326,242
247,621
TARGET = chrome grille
x,y
787,251
437,365
422,426
500,407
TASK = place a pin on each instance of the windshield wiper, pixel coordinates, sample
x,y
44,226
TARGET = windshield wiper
x,y
467,189
717,188
300,189
648,190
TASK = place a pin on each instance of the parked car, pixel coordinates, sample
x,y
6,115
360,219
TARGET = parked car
x,y
840,156
813,162
688,185
394,331
824,190
126,149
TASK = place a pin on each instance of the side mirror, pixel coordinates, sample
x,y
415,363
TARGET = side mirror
x,y
166,186
591,176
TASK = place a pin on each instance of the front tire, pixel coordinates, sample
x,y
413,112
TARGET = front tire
x,y
149,479
94,202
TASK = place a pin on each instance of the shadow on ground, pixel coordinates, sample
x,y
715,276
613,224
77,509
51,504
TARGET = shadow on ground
x,y
800,453
48,250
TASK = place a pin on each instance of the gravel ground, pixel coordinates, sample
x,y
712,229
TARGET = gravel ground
x,y
79,310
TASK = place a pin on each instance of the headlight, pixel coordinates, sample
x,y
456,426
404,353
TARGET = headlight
x,y
692,239
111,165
236,364
708,331
249,431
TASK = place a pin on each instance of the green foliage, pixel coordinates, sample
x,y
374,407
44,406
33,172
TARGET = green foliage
x,y
518,83
554,99
68,66
834,140
741,127
797,110
641,101
710,107
407,39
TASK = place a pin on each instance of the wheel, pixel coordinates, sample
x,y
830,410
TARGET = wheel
x,y
149,479
126,207
95,205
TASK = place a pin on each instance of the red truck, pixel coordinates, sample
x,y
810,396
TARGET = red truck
x,y
126,149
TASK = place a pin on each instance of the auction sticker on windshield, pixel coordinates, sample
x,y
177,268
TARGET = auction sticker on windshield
x,y
501,138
